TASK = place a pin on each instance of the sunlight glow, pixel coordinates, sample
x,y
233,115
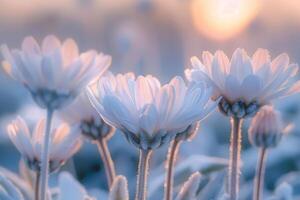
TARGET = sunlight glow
x,y
223,19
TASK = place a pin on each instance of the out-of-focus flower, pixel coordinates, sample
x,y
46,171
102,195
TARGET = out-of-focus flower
x,y
54,72
70,188
266,128
245,83
150,114
81,112
8,190
65,142
119,189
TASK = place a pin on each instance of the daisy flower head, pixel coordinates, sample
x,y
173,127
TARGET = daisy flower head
x,y
65,142
54,72
81,112
148,113
245,83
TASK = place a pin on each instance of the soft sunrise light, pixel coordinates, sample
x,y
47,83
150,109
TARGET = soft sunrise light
x,y
221,20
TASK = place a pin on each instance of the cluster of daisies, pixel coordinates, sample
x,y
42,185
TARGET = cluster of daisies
x,y
93,103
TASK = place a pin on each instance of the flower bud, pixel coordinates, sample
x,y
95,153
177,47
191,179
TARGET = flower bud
x,y
266,128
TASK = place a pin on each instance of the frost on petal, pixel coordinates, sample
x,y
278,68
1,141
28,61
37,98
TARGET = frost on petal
x,y
240,64
196,63
118,115
119,189
189,189
207,58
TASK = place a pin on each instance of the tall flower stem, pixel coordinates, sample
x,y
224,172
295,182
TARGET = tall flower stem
x,y
107,161
235,158
259,176
172,155
45,157
141,189
37,185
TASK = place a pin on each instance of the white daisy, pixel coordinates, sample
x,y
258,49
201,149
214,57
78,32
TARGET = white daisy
x,y
64,143
150,114
245,83
54,72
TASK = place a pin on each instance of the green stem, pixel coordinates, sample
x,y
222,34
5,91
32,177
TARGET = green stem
x,y
45,157
259,176
235,158
107,161
141,191
172,155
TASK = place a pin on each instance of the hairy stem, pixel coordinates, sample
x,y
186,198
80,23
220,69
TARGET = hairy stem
x,y
45,157
259,176
235,158
141,191
37,185
107,161
172,155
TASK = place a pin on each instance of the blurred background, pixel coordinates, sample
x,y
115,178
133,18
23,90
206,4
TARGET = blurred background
x,y
158,37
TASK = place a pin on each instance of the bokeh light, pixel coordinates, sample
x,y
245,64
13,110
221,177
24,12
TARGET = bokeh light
x,y
223,19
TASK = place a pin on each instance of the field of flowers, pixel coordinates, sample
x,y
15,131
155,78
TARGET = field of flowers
x,y
150,100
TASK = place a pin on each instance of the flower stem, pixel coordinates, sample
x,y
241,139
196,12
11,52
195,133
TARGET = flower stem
x,y
141,191
45,157
107,161
172,155
37,185
259,176
235,154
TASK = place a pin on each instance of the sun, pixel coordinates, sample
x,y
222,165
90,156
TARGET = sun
x,y
223,19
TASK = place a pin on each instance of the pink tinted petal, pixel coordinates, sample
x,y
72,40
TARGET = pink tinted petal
x,y
50,43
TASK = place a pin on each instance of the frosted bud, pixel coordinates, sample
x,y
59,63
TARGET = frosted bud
x,y
119,189
189,188
266,128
